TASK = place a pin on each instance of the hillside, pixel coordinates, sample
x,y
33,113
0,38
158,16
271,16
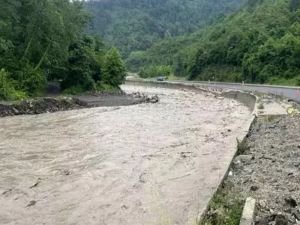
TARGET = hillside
x,y
43,41
260,43
133,25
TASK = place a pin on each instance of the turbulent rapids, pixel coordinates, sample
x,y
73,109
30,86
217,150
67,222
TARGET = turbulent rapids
x,y
142,164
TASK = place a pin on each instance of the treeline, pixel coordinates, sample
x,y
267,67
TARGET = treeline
x,y
43,40
134,25
259,44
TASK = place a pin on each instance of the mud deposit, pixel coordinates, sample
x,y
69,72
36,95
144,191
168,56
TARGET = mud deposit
x,y
60,103
152,164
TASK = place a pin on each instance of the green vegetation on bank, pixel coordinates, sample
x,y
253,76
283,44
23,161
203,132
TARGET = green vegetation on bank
x,y
43,40
225,208
133,25
154,71
259,44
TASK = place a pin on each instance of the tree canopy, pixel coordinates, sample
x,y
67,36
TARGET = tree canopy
x,y
43,40
259,43
133,25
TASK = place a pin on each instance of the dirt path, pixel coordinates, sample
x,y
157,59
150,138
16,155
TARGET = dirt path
x,y
147,164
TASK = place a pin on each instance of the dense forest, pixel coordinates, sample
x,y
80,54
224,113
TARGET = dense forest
x,y
133,25
260,43
53,40
44,40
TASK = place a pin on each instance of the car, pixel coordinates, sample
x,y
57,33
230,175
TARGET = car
x,y
161,78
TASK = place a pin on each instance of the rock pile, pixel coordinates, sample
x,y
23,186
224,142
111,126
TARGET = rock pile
x,y
145,98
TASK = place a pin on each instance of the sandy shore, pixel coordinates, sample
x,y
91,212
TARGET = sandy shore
x,y
147,164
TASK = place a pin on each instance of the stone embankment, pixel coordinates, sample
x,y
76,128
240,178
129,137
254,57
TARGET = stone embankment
x,y
267,169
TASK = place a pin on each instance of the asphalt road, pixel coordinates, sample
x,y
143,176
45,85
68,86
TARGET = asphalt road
x,y
292,93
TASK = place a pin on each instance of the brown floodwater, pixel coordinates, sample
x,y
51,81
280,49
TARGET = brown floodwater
x,y
147,164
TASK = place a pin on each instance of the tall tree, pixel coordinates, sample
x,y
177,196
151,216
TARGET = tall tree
x,y
114,69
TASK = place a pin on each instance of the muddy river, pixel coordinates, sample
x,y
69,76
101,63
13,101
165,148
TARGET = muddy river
x,y
148,164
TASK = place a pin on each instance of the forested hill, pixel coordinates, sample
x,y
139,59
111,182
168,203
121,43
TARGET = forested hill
x,y
136,24
44,40
260,43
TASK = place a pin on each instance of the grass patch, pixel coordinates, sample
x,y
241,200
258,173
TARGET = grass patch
x,y
270,118
242,146
286,82
225,208
174,77
260,106
227,205
8,92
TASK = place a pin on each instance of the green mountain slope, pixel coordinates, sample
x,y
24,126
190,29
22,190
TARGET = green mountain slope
x,y
136,24
43,41
260,43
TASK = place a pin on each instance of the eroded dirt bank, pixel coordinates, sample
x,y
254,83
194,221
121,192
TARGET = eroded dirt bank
x,y
151,164
63,103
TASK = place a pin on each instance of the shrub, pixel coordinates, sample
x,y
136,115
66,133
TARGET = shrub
x,y
114,68
155,71
7,89
33,81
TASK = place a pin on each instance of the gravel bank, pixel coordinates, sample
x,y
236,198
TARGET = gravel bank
x,y
268,169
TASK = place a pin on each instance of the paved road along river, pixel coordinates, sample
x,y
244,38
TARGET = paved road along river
x,y
292,93
154,164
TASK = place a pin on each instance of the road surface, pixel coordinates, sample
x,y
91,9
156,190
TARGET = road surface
x,y
292,93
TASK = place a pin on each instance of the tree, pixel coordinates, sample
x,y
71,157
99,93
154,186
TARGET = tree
x,y
114,69
43,40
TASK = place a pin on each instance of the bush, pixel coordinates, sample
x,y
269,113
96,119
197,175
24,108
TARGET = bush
x,y
298,81
155,71
114,68
107,88
33,81
83,68
7,89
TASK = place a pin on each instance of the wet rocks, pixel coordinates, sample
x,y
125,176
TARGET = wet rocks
x,y
246,159
31,203
144,98
290,201
254,188
152,99
38,106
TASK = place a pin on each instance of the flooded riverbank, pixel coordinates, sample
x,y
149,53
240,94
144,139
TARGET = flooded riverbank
x,y
154,164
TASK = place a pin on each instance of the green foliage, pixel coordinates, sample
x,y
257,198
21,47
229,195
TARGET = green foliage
x,y
225,209
33,81
114,68
84,65
43,40
7,89
260,43
134,25
155,71
107,88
